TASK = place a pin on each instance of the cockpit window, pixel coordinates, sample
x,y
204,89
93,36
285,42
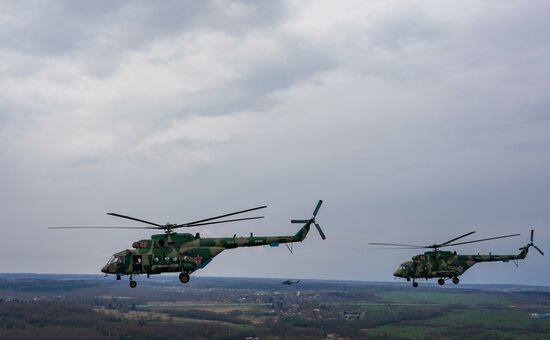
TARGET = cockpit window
x,y
116,260
403,267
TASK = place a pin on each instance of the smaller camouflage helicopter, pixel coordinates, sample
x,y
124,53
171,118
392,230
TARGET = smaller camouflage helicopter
x,y
448,264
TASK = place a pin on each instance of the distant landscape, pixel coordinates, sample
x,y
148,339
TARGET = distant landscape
x,y
95,307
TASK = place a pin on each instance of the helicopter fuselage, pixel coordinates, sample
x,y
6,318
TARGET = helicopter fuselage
x,y
447,264
184,252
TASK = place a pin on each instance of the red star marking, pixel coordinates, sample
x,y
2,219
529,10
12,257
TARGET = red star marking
x,y
198,259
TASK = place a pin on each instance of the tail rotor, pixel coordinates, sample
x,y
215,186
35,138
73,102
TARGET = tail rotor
x,y
312,220
317,208
531,244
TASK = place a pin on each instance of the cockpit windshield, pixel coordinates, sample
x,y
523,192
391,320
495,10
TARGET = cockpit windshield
x,y
116,260
403,267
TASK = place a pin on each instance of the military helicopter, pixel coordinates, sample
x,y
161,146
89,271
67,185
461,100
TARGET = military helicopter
x,y
185,253
290,282
446,265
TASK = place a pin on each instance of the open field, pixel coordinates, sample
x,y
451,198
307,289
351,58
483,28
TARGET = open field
x,y
442,298
471,323
91,307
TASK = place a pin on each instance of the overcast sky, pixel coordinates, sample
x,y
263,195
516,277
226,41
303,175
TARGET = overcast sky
x,y
415,121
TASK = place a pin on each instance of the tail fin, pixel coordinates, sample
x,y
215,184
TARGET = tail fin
x,y
523,252
302,233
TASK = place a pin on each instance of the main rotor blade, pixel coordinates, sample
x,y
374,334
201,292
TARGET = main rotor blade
x,y
399,245
155,228
215,218
483,239
299,221
454,239
537,248
392,248
134,219
317,208
224,221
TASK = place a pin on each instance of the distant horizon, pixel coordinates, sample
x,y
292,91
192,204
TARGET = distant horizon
x,y
396,282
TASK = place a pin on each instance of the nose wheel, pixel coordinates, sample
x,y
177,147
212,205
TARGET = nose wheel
x,y
415,284
456,280
441,281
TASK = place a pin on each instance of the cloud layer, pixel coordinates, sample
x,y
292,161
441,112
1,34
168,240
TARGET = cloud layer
x,y
415,122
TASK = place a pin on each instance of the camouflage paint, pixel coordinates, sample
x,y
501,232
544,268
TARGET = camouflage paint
x,y
447,264
184,252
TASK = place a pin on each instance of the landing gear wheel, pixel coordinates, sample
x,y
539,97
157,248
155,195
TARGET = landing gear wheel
x,y
415,284
133,284
441,282
184,277
118,277
456,280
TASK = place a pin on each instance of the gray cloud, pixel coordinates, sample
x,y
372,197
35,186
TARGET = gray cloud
x,y
65,26
50,29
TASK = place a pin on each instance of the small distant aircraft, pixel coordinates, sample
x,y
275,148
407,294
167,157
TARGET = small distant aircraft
x,y
290,282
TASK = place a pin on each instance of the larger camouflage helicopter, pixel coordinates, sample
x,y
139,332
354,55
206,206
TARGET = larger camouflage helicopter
x,y
185,253
446,265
